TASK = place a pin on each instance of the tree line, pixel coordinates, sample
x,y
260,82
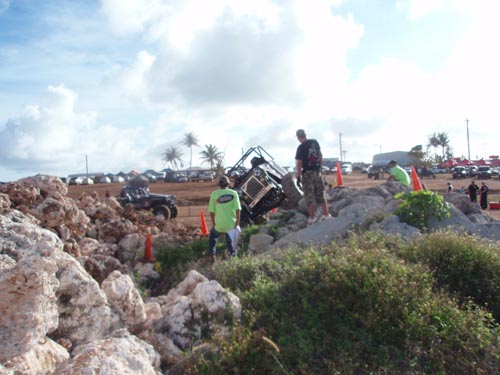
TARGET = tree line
x,y
210,154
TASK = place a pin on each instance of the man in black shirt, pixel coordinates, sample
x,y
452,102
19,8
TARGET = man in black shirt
x,y
473,189
309,162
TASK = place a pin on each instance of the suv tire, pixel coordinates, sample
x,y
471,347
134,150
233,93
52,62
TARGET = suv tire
x,y
162,210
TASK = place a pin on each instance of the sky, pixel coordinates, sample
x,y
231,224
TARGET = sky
x,y
108,86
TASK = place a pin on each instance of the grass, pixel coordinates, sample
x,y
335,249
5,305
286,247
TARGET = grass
x,y
370,305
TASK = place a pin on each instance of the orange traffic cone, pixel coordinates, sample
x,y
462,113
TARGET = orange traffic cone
x,y
204,230
417,186
148,249
340,181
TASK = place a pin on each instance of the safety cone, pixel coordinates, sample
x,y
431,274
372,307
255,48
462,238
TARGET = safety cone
x,y
148,249
204,230
417,186
340,181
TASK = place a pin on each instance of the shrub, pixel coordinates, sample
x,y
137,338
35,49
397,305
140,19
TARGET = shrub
x,y
419,206
358,309
463,265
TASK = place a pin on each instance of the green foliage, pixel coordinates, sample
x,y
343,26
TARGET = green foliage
x,y
419,206
464,265
247,353
173,256
357,308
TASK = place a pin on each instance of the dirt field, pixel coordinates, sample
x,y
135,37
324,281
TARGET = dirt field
x,y
193,197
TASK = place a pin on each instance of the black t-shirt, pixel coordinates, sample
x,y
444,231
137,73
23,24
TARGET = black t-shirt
x,y
310,154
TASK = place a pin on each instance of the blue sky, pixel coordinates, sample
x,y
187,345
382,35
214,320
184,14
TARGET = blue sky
x,y
121,81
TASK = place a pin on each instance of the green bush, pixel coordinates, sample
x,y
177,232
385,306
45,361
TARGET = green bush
x,y
355,309
419,206
464,265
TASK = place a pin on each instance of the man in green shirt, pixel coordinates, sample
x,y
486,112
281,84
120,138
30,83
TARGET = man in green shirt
x,y
224,208
398,174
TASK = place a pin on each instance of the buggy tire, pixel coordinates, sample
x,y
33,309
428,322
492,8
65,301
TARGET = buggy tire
x,y
292,192
162,210
173,212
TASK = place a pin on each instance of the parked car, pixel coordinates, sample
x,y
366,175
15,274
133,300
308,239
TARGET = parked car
x,y
206,176
346,169
193,176
438,170
75,181
459,172
376,172
484,171
472,171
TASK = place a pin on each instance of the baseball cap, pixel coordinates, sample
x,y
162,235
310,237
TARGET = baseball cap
x,y
223,181
301,133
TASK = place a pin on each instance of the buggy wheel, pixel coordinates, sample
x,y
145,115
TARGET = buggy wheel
x,y
173,212
245,217
162,210
292,192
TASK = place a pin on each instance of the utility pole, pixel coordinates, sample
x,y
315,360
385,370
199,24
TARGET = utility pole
x,y
340,143
87,165
468,143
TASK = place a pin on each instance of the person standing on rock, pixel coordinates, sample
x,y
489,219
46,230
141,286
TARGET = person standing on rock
x,y
472,190
483,200
224,207
309,161
398,174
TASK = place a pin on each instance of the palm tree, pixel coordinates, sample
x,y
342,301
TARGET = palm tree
x,y
211,155
444,142
434,142
173,156
190,140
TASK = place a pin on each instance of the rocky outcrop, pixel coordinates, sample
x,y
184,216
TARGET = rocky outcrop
x,y
120,353
373,209
69,305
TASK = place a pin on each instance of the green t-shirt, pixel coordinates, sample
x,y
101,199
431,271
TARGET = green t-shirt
x,y
224,203
400,175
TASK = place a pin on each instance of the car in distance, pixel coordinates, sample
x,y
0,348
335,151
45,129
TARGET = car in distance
x,y
472,172
346,168
206,176
484,171
459,172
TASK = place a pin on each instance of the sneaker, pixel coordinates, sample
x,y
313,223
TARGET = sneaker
x,y
311,220
325,217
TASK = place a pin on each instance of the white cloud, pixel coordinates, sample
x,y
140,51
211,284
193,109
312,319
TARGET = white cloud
x,y
55,138
420,8
240,74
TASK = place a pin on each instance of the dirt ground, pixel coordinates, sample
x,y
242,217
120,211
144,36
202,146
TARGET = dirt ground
x,y
192,197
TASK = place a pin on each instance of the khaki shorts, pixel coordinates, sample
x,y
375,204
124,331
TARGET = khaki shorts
x,y
313,187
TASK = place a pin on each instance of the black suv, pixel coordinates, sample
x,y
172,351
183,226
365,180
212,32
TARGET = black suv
x,y
142,199
484,171
262,185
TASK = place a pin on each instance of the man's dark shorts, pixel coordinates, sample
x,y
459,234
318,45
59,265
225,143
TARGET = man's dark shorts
x,y
313,187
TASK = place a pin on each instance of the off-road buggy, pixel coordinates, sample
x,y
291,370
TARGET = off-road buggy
x,y
142,199
262,185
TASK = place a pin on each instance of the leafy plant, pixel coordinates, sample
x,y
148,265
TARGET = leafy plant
x,y
463,265
419,206
355,308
